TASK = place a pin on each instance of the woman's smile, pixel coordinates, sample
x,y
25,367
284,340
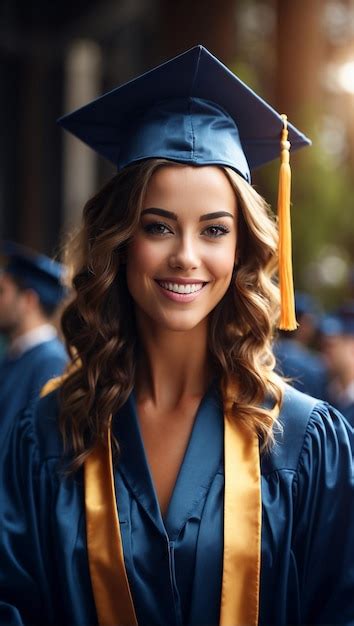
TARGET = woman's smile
x,y
178,291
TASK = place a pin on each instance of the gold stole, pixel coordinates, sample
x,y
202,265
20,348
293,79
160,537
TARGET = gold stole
x,y
242,534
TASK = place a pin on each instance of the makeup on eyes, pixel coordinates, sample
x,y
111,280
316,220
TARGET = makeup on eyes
x,y
162,229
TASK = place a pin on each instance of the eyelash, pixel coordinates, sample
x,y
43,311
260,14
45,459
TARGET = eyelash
x,y
152,229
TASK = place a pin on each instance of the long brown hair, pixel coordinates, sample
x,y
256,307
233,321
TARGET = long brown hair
x,y
99,324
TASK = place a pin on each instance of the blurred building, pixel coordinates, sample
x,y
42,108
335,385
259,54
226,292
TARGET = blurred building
x,y
54,57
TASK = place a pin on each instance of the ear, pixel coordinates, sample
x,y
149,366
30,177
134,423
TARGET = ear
x,y
31,298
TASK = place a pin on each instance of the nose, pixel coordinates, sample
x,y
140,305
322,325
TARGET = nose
x,y
185,254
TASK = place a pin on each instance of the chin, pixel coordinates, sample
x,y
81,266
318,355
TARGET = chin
x,y
179,323
180,328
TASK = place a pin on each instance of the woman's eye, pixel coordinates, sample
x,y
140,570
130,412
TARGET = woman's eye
x,y
216,230
156,228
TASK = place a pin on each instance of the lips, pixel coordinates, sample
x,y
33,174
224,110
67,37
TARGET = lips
x,y
183,291
182,288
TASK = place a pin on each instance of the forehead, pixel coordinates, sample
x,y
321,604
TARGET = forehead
x,y
178,187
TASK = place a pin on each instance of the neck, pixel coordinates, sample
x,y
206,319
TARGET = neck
x,y
173,365
346,377
26,326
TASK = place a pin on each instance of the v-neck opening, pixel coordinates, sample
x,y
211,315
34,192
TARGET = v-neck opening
x,y
193,477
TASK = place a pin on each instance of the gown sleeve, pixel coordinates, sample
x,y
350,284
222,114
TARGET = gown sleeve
x,y
48,365
324,512
24,541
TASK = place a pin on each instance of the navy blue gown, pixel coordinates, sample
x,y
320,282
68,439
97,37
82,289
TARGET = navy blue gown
x,y
345,408
22,378
174,565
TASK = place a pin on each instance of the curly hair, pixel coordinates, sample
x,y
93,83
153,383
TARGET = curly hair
x,y
99,323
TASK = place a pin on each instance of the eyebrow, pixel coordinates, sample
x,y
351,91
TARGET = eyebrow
x,y
172,216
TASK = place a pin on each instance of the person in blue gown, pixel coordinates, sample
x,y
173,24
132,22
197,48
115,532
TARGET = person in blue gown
x,y
337,343
171,477
305,368
30,292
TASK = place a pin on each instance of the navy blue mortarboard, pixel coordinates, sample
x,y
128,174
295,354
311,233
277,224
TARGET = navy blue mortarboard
x,y
331,326
341,322
305,303
35,271
191,109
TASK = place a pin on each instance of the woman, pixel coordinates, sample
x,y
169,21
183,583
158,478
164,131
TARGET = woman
x,y
226,488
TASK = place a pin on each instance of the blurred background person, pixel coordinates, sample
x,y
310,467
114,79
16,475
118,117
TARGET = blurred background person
x,y
30,292
296,358
337,344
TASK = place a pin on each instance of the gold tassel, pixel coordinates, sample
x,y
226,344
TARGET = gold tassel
x,y
287,312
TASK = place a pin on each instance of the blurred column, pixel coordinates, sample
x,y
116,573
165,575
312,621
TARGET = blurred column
x,y
186,23
30,140
300,55
82,84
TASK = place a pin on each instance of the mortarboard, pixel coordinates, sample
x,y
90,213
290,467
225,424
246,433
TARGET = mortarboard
x,y
340,322
305,303
193,109
35,271
330,326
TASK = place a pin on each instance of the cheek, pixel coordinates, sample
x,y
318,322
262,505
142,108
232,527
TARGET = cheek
x,y
222,260
142,255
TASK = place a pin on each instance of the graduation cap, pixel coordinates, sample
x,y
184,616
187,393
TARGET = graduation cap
x,y
340,322
35,271
194,110
306,304
331,326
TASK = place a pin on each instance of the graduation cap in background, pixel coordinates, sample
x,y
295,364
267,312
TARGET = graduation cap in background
x,y
34,271
194,110
306,304
340,322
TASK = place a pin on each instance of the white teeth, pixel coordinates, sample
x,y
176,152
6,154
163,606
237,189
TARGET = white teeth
x,y
179,288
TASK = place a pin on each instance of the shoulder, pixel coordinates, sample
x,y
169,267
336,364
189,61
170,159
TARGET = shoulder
x,y
39,425
304,424
53,349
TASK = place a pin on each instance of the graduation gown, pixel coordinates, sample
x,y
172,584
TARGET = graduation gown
x,y
22,378
174,565
345,408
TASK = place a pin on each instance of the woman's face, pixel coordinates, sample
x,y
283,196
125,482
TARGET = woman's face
x,y
180,262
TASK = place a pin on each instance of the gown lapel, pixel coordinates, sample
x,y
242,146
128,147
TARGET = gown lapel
x,y
133,464
200,464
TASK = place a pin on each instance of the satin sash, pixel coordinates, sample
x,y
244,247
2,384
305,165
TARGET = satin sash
x,y
242,535
242,527
114,604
